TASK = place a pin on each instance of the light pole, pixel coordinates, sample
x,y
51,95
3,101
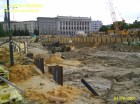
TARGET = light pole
x,y
10,36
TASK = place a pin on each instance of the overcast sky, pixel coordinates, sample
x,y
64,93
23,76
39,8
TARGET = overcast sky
x,y
96,9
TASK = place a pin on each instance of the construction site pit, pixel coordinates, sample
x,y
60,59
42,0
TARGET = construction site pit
x,y
112,70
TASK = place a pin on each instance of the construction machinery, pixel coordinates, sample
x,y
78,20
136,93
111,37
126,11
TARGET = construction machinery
x,y
8,92
59,47
118,28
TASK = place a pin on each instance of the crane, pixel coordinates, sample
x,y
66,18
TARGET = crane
x,y
118,27
113,15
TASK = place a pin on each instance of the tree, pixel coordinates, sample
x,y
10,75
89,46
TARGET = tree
x,y
22,33
15,32
2,33
103,29
112,27
26,32
36,32
136,24
18,32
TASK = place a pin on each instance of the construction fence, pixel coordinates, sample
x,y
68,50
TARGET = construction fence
x,y
99,39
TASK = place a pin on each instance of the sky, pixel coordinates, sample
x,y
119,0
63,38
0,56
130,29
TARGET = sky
x,y
129,10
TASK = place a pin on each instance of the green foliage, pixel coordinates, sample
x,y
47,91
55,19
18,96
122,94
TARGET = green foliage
x,y
21,32
121,26
136,24
112,27
36,32
26,32
2,33
103,29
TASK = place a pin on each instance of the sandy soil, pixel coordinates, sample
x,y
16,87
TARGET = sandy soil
x,y
112,70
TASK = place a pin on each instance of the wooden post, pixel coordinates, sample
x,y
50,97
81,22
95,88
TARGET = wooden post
x,y
101,40
97,39
106,39
121,39
115,40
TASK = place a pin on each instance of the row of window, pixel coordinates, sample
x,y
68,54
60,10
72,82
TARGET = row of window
x,y
74,28
74,23
70,32
97,24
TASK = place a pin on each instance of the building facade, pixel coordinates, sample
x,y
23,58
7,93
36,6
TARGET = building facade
x,y
64,25
29,25
96,25
47,25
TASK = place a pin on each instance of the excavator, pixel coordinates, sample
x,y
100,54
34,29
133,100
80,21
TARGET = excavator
x,y
120,30
56,46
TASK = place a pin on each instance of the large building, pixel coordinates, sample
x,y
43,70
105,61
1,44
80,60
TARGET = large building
x,y
96,25
47,25
29,25
64,25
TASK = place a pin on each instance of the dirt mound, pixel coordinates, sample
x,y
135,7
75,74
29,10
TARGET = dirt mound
x,y
71,62
54,59
67,92
4,55
61,94
37,52
20,73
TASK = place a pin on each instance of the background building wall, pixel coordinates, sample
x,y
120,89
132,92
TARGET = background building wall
x,y
96,25
64,25
29,25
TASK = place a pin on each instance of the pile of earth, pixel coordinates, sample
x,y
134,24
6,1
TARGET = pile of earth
x,y
62,94
37,52
54,59
5,56
20,73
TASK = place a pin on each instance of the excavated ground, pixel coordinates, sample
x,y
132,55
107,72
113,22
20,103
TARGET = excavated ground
x,y
112,70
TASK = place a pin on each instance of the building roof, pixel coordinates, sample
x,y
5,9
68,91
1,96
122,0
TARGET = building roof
x,y
64,17
72,17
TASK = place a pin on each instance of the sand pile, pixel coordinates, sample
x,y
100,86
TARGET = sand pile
x,y
37,53
66,92
20,73
4,55
54,59
62,94
71,62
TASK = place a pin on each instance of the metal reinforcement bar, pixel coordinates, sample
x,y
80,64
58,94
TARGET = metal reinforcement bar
x,y
89,87
3,79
